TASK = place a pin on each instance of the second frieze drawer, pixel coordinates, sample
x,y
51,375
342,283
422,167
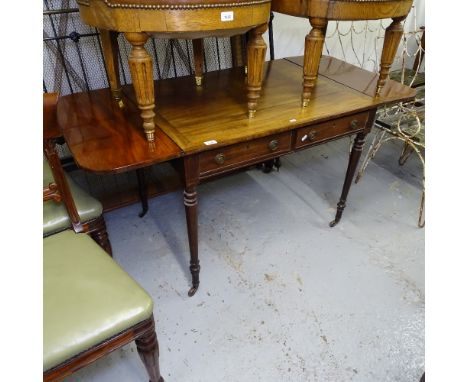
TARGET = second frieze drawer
x,y
311,135
245,153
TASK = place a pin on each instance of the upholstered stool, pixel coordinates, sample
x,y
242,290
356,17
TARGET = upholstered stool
x,y
91,307
181,19
319,12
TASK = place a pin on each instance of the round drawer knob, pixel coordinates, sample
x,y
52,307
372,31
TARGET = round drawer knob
x,y
273,145
220,158
354,124
311,135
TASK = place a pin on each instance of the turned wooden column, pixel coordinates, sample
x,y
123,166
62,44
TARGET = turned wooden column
x,y
312,53
354,157
110,49
198,60
392,39
190,202
256,51
352,165
238,53
148,350
141,69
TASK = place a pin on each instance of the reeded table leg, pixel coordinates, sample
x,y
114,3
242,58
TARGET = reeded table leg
x,y
148,350
110,49
312,54
392,39
190,202
198,59
141,69
256,51
352,165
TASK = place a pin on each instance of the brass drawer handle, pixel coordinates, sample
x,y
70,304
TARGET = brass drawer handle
x,y
311,135
220,158
354,124
273,145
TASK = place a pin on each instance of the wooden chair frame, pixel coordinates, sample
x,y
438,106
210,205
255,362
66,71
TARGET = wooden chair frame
x,y
59,191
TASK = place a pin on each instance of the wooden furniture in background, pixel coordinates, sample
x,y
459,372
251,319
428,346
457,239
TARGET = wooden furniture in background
x,y
214,138
319,12
91,308
66,205
186,19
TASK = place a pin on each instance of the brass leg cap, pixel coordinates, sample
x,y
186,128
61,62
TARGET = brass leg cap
x,y
120,103
252,113
149,135
305,102
199,80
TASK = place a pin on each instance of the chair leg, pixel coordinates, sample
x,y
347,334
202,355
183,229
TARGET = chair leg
x,y
100,236
148,350
198,58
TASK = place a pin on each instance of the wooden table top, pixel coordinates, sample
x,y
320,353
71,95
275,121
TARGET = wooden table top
x,y
192,116
104,138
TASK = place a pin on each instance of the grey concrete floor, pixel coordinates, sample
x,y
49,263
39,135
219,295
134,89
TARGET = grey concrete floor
x,y
283,297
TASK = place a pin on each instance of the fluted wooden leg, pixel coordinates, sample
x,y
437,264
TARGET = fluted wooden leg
x,y
312,53
190,202
352,165
256,51
110,49
237,51
141,69
148,350
392,39
198,59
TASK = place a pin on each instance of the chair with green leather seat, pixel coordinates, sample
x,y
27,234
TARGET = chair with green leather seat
x,y
91,308
66,205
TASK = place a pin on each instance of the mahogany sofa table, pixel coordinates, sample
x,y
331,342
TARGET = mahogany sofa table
x,y
214,137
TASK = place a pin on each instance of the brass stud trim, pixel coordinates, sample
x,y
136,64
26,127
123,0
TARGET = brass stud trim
x,y
177,6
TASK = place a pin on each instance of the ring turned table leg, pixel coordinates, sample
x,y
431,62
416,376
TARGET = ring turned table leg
x,y
352,165
110,49
392,39
141,69
312,53
190,202
256,51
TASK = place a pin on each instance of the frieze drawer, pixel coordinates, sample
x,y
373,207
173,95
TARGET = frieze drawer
x,y
311,135
243,154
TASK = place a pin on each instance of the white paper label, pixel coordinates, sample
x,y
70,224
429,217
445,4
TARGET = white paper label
x,y
227,16
209,143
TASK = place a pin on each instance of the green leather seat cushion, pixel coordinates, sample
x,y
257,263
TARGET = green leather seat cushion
x,y
55,216
88,298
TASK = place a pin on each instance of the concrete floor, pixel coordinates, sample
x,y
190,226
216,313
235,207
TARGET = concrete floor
x,y
283,297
